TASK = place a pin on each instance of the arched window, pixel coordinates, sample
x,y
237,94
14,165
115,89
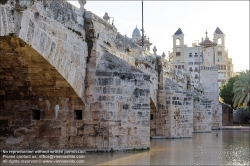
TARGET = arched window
x,y
178,42
219,41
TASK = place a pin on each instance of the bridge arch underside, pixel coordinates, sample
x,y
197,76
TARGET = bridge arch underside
x,y
38,107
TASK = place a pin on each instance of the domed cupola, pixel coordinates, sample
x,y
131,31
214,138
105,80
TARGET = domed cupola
x,y
136,34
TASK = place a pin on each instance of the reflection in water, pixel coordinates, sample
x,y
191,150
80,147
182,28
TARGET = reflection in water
x,y
228,147
236,148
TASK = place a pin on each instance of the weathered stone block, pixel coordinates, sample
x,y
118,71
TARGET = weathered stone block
x,y
105,81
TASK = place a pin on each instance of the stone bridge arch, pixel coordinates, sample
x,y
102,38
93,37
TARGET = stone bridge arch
x,y
43,64
55,30
37,102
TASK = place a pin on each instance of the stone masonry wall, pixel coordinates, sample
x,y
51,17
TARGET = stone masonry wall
x,y
37,105
117,92
70,80
209,81
202,114
175,103
55,30
43,55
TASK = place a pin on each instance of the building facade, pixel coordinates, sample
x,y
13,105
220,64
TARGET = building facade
x,y
222,61
191,58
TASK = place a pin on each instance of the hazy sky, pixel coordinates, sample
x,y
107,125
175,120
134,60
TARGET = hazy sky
x,y
163,18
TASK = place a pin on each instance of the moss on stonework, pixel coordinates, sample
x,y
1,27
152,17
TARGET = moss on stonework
x,y
142,149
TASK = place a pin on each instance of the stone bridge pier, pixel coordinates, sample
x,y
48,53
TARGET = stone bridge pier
x,y
43,64
69,80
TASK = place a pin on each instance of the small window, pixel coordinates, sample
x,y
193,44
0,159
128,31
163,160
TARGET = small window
x,y
179,66
196,55
182,66
78,115
219,41
178,42
190,54
36,114
178,53
151,117
178,48
219,53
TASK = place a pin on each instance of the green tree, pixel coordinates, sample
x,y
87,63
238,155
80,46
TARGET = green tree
x,y
241,90
226,91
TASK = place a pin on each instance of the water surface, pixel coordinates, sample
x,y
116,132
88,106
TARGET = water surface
x,y
225,147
